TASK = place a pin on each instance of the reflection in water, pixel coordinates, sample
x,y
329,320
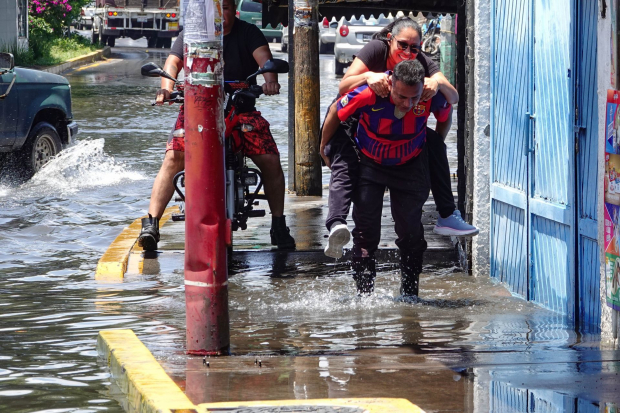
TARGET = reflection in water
x,y
55,228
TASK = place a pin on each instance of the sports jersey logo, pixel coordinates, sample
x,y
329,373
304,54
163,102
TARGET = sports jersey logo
x,y
377,110
419,110
344,101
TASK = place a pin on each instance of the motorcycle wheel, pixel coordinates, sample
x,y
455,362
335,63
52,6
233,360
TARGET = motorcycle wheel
x,y
431,45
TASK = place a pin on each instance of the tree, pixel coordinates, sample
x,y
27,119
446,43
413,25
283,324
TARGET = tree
x,y
55,13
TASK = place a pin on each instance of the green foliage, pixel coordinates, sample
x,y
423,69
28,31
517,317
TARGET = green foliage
x,y
57,14
22,56
48,51
49,39
39,36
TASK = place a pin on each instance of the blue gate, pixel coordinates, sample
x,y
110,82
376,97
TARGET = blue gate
x,y
588,281
511,91
539,235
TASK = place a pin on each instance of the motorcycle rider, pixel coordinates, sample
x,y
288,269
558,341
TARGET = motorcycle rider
x,y
245,50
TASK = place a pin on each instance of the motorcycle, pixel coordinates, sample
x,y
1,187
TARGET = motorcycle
x,y
243,183
431,37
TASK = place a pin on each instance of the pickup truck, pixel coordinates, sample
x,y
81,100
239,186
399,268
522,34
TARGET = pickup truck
x,y
157,20
36,122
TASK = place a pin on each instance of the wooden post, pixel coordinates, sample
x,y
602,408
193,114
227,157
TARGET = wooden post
x,y
307,99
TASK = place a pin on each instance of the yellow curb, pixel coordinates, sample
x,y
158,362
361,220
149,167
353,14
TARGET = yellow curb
x,y
370,405
86,56
113,264
150,390
139,376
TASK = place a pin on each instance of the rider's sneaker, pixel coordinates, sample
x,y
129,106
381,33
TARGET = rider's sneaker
x,y
149,236
280,234
455,225
339,236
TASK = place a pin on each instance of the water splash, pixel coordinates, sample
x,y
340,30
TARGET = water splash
x,y
82,166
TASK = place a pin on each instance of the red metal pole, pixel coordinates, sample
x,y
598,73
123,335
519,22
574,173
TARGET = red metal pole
x,y
206,270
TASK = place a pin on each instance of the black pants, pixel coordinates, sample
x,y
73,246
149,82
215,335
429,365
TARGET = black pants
x,y
409,186
345,159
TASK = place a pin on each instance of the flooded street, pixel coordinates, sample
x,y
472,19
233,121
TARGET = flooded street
x,y
54,229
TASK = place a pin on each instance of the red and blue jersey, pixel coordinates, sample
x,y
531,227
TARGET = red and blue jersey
x,y
383,137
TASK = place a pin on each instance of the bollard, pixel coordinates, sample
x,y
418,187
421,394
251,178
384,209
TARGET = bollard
x,y
206,270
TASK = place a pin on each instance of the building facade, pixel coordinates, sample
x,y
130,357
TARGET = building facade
x,y
542,72
13,24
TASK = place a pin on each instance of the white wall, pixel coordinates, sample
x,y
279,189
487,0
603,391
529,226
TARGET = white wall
x,y
8,22
604,83
482,120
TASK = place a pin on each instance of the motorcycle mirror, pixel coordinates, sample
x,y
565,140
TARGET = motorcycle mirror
x,y
272,66
153,70
6,62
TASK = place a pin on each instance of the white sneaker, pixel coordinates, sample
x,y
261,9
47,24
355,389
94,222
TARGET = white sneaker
x,y
454,225
339,236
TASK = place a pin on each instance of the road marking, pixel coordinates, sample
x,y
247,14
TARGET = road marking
x,y
205,285
98,63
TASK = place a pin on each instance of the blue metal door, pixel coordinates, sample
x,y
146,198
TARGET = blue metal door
x,y
552,160
586,117
533,212
511,94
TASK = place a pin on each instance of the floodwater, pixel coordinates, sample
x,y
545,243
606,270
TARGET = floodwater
x,y
54,229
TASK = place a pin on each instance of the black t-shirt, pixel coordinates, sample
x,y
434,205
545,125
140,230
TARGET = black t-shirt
x,y
375,55
239,44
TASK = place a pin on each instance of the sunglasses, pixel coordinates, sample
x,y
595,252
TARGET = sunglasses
x,y
415,49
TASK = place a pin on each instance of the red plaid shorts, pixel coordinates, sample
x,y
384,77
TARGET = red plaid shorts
x,y
259,141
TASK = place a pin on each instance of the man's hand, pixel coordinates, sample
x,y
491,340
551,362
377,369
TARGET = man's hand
x,y
162,94
271,88
325,157
378,83
431,87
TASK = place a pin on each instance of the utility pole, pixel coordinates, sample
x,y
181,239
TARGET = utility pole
x,y
307,99
207,231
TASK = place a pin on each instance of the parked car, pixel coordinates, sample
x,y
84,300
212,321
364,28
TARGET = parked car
x,y
36,122
251,11
351,36
85,22
327,35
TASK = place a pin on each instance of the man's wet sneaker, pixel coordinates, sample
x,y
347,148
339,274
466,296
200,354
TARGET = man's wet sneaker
x,y
280,234
339,236
149,236
455,225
